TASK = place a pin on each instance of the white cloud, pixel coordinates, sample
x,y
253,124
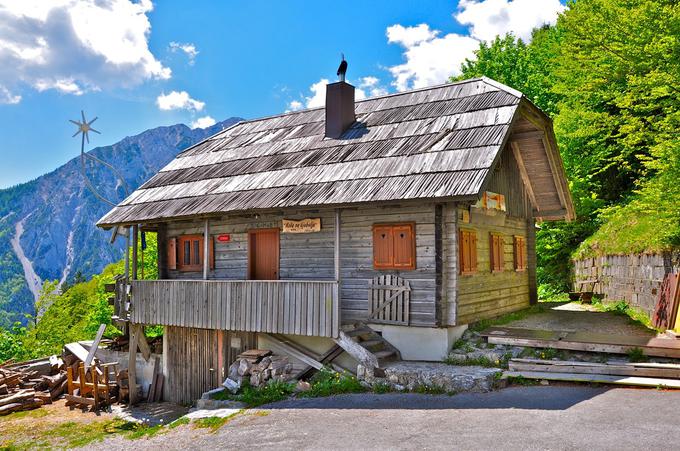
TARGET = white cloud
x,y
430,59
178,100
490,18
203,122
188,48
294,105
7,97
76,45
66,86
410,36
372,84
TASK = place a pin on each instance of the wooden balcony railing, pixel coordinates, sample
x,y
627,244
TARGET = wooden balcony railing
x,y
298,307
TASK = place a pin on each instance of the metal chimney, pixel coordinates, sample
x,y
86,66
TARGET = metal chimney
x,y
339,108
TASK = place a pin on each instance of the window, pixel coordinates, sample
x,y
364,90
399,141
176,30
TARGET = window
x,y
496,252
519,251
467,251
394,246
185,253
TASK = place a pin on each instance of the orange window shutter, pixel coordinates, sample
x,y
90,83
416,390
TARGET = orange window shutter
x,y
492,252
383,247
501,252
404,246
172,253
461,252
473,251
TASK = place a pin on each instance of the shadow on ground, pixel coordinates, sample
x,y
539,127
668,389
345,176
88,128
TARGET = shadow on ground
x,y
532,398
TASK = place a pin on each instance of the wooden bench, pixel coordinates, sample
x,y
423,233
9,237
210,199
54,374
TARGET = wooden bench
x,y
586,289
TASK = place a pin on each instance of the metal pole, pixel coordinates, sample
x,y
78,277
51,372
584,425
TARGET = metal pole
x,y
206,250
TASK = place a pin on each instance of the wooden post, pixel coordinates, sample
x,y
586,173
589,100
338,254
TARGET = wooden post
x,y
438,263
135,236
206,250
127,256
338,234
162,239
132,361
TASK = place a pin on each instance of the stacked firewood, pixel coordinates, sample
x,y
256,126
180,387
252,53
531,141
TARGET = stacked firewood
x,y
257,366
29,385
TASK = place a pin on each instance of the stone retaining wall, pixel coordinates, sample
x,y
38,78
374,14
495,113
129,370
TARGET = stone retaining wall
x,y
633,278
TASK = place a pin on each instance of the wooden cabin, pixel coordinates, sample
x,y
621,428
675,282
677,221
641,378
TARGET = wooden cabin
x,y
408,216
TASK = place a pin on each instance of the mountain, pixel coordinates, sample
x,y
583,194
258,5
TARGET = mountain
x,y
47,229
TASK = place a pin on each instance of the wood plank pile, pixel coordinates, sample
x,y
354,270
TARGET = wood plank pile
x,y
637,374
257,367
29,385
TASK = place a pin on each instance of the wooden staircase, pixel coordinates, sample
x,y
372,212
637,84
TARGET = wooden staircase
x,y
367,346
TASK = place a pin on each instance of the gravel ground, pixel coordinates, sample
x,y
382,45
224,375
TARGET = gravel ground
x,y
537,417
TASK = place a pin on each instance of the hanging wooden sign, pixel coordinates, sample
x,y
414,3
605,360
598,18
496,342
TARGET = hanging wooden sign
x,y
308,225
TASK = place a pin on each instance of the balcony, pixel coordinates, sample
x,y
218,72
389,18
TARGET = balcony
x,y
298,307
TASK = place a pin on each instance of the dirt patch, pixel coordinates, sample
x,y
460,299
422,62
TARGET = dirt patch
x,y
575,317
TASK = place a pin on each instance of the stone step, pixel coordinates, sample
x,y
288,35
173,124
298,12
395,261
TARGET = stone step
x,y
360,332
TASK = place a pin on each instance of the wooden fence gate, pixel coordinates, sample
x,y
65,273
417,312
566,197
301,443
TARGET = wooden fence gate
x,y
388,300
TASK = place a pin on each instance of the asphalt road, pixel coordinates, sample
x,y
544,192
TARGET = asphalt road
x,y
538,417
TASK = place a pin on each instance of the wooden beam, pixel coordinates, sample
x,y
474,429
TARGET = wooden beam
x,y
598,378
95,345
550,213
132,362
614,369
293,351
162,239
135,238
206,249
337,244
523,172
533,134
143,344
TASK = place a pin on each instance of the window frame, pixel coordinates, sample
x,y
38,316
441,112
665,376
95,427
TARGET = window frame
x,y
496,264
393,265
519,250
470,250
180,250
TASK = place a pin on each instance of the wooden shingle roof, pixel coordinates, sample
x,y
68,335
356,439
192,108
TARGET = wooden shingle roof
x,y
438,142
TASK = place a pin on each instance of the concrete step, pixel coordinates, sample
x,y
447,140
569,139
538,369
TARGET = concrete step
x,y
384,355
373,345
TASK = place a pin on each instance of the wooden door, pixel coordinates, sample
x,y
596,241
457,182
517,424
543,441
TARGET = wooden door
x,y
263,254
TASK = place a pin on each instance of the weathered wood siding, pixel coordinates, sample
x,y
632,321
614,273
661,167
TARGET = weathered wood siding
x,y
485,294
285,307
449,263
302,255
310,256
197,360
356,260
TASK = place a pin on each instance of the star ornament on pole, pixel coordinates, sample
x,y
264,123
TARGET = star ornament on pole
x,y
84,127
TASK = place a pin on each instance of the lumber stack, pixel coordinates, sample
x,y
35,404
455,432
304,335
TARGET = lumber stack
x,y
29,385
635,374
257,366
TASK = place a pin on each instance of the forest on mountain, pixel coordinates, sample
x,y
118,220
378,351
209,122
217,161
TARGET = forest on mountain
x,y
608,74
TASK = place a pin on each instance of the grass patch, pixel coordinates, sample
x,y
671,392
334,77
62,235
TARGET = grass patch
x,y
521,380
213,423
327,382
636,355
635,315
35,413
382,388
271,392
179,422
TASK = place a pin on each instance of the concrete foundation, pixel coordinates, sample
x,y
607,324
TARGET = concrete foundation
x,y
421,343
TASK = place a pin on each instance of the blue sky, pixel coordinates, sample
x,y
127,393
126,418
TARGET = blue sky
x,y
138,65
